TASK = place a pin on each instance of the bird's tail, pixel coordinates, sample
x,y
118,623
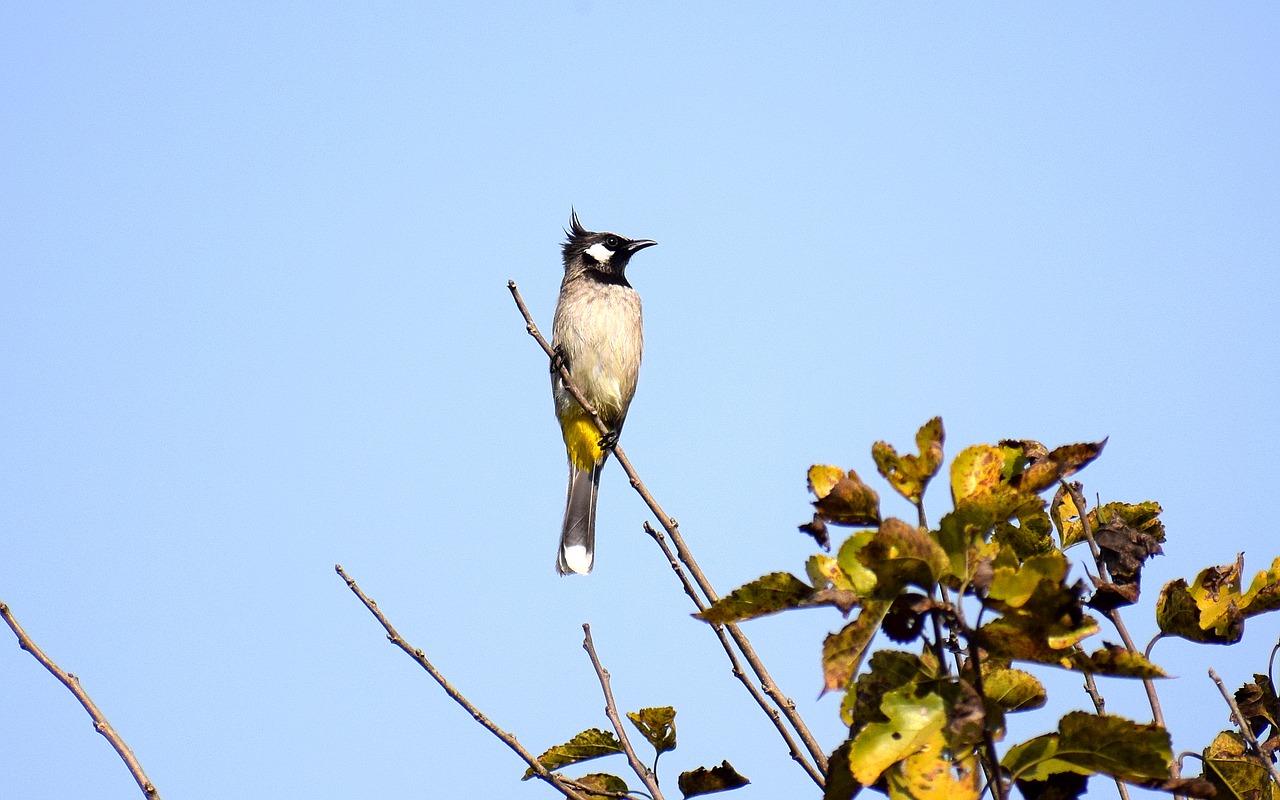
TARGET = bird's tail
x,y
578,535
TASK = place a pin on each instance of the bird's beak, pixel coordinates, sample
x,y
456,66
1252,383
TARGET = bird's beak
x,y
640,244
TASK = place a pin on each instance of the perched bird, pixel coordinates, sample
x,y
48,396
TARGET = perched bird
x,y
597,336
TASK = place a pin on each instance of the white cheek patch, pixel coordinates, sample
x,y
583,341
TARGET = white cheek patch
x,y
600,253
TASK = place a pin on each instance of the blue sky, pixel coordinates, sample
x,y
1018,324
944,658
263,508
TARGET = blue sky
x,y
253,322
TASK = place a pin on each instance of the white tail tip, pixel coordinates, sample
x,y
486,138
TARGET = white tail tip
x,y
577,559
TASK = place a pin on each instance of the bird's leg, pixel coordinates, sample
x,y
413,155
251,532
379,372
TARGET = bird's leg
x,y
609,440
558,359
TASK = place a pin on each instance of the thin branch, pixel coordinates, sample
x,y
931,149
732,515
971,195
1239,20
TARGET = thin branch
x,y
1091,689
1114,614
990,764
774,716
1271,660
642,772
1243,725
935,615
784,703
603,792
417,655
100,723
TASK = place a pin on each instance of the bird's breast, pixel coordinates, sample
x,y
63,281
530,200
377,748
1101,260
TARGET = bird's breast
x,y
599,328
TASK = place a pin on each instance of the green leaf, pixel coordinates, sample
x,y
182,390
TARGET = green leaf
x,y
981,477
1236,773
1264,592
1014,690
603,782
912,724
848,559
1117,662
1030,537
1088,744
886,671
1212,609
769,594
1144,517
1066,518
824,571
840,784
1178,614
900,554
706,781
842,652
843,499
910,474
591,743
1025,638
658,725
1013,584
1028,637
961,535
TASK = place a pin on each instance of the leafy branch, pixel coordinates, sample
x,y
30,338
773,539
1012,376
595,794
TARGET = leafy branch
x,y
918,730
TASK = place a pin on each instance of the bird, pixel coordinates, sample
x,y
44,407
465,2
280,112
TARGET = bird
x,y
597,335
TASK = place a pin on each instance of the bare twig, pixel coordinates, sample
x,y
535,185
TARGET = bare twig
x,y
784,703
774,716
646,775
1091,689
417,655
100,723
1243,725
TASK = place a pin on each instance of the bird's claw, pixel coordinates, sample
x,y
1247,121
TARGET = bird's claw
x,y
558,359
609,440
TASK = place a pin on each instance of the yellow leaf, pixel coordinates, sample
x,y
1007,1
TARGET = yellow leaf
x,y
975,471
932,775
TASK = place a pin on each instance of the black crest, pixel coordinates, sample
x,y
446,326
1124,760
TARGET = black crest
x,y
575,229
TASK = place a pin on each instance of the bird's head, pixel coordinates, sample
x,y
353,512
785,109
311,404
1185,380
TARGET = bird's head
x,y
604,253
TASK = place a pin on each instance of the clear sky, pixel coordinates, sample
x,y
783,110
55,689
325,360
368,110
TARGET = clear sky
x,y
254,322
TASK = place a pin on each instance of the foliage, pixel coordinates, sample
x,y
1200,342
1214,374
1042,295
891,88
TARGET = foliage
x,y
989,587
658,727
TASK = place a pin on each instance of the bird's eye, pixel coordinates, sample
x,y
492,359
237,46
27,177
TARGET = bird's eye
x,y
611,242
